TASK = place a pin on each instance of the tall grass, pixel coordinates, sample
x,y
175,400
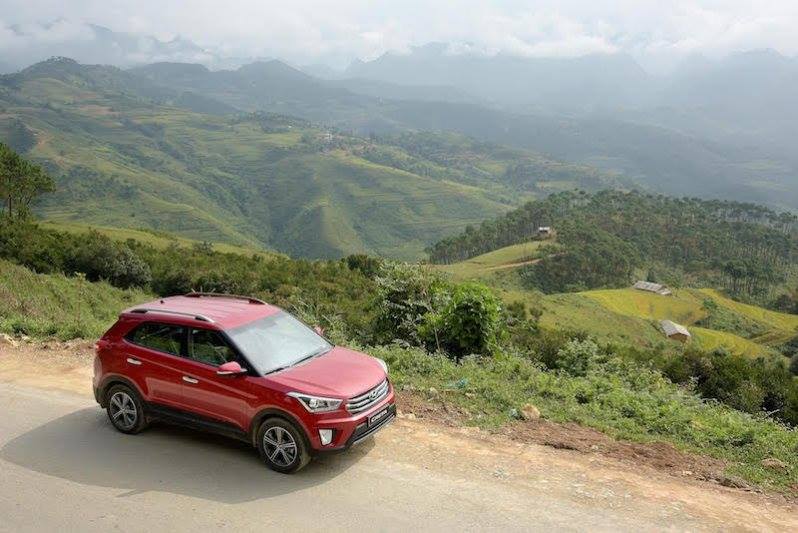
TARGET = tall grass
x,y
57,306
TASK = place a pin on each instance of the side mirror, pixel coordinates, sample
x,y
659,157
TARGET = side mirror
x,y
230,369
319,330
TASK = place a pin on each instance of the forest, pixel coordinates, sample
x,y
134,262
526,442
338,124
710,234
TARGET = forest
x,y
747,249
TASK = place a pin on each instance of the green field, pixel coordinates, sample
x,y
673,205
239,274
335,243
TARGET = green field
x,y
491,262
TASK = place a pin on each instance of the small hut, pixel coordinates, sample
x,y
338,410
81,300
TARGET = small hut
x,y
656,288
675,331
544,232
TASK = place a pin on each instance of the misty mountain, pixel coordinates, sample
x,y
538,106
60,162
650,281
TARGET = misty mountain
x,y
93,44
663,157
666,153
534,84
746,99
261,86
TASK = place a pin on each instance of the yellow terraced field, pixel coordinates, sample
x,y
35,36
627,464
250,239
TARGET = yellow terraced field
x,y
682,307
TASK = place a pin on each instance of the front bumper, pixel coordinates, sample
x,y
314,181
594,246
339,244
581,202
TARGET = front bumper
x,y
352,431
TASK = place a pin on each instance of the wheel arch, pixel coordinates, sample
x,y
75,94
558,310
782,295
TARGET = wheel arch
x,y
112,380
275,412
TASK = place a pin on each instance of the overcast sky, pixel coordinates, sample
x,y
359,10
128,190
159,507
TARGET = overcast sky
x,y
335,32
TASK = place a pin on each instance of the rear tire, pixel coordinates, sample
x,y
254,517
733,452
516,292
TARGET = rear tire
x,y
282,446
125,409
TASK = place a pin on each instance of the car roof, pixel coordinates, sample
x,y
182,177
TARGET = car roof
x,y
212,310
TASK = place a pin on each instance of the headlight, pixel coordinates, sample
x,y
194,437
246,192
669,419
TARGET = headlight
x,y
383,364
316,404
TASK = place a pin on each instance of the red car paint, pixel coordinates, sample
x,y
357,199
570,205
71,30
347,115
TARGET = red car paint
x,y
236,404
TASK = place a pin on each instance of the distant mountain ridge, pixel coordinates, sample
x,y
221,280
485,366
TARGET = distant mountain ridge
x,y
128,150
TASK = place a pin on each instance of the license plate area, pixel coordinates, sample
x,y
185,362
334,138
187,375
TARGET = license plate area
x,y
378,417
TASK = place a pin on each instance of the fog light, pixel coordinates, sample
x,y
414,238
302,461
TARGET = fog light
x,y
326,436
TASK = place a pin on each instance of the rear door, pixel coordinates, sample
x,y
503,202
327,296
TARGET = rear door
x,y
226,399
153,356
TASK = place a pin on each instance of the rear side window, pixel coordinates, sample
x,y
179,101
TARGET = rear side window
x,y
209,347
166,338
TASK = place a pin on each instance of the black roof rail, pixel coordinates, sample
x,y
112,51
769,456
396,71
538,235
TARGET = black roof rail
x,y
195,316
250,299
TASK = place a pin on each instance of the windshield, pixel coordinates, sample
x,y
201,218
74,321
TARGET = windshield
x,y
277,341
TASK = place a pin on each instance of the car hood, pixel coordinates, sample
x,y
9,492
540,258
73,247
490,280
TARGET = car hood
x,y
341,372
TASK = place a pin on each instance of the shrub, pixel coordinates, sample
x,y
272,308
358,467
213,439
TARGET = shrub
x,y
405,294
469,322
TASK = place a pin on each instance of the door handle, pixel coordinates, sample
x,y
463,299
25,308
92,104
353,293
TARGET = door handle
x,y
190,380
133,361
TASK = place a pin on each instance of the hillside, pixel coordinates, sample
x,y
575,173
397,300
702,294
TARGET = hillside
x,y
54,305
613,238
621,124
631,316
127,152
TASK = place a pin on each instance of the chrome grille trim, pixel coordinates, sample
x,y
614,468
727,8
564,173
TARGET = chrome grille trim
x,y
358,404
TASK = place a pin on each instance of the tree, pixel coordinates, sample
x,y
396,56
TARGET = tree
x,y
21,182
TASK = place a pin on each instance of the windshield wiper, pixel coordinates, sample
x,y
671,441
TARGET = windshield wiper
x,y
317,353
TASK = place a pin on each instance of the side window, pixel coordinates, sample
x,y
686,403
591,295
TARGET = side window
x,y
165,338
209,347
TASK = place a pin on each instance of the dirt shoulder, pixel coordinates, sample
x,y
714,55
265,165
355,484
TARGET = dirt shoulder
x,y
571,458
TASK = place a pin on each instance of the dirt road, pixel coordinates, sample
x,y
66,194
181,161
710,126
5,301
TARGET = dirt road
x,y
64,468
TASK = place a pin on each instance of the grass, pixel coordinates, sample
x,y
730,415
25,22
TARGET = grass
x,y
783,326
153,238
57,306
710,339
486,264
683,307
623,401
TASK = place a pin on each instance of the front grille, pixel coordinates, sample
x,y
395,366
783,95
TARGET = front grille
x,y
371,397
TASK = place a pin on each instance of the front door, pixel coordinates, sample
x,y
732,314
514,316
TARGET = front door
x,y
222,398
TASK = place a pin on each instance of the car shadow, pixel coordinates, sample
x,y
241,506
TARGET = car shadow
x,y
83,447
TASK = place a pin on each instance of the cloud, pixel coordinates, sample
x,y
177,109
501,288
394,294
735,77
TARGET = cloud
x,y
336,32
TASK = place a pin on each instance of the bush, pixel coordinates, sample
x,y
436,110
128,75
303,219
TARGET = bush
x,y
405,295
470,322
100,258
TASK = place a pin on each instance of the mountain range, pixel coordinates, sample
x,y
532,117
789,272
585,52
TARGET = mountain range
x,y
129,150
399,152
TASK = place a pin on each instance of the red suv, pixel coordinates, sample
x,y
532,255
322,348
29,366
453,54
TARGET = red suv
x,y
241,367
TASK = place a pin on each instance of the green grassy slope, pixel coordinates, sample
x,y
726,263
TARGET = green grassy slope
x,y
58,306
153,238
487,265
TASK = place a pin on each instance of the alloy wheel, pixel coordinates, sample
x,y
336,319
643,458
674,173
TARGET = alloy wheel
x,y
123,411
280,446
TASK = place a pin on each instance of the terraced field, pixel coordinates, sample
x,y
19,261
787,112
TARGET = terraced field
x,y
632,316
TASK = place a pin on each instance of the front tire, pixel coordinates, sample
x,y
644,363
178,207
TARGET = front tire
x,y
125,409
282,446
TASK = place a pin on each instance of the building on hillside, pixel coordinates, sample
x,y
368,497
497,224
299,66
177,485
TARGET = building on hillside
x,y
675,331
656,288
544,232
